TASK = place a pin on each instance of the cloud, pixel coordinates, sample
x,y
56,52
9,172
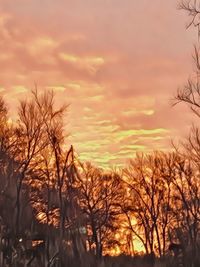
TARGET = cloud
x,y
113,61
91,64
121,135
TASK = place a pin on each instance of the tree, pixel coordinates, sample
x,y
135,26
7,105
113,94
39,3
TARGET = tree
x,y
186,203
193,10
100,195
187,182
147,208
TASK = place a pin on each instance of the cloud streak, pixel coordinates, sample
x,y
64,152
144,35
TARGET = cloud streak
x,y
113,61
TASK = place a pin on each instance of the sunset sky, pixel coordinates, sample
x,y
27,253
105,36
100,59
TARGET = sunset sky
x,y
116,62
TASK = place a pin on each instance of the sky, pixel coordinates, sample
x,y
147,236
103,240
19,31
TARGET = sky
x,y
117,63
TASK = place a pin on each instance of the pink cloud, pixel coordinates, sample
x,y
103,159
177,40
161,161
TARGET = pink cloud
x,y
116,62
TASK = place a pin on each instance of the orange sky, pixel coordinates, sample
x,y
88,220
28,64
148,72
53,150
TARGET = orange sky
x,y
116,62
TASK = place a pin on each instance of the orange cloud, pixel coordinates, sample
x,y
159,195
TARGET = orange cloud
x,y
112,61
91,64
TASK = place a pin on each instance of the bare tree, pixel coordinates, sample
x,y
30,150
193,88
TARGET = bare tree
x,y
100,195
149,200
186,200
192,7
